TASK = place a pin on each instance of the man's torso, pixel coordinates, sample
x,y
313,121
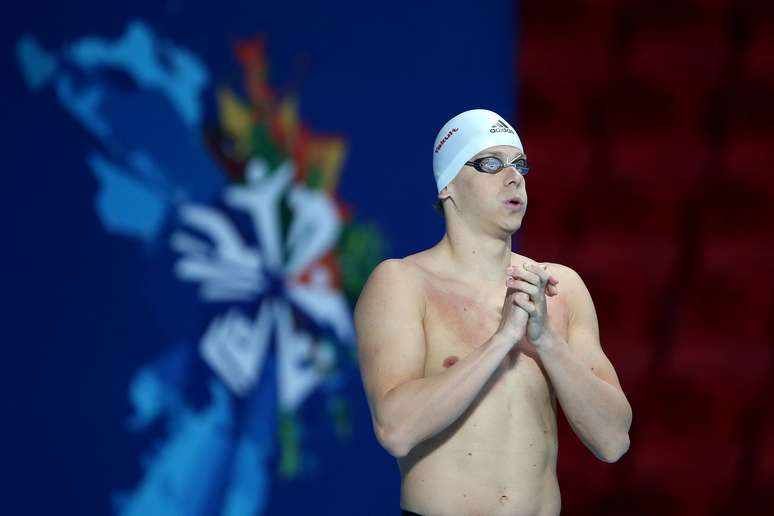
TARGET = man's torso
x,y
499,457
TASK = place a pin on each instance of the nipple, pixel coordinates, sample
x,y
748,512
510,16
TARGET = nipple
x,y
450,361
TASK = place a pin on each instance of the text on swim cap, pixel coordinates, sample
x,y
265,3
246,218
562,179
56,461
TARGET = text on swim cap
x,y
500,127
445,138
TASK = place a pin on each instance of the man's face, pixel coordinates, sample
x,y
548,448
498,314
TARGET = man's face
x,y
484,196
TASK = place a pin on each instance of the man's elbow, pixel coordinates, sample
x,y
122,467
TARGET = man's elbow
x,y
392,442
614,453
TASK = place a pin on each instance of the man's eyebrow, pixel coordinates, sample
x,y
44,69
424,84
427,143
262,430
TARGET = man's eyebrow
x,y
503,155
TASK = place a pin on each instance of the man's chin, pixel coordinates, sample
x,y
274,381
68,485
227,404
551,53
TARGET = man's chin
x,y
512,226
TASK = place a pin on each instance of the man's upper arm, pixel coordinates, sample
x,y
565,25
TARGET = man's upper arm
x,y
390,333
583,332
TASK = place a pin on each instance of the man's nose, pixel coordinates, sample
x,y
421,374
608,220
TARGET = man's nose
x,y
512,175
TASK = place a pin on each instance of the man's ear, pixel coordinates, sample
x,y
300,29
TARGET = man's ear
x,y
444,193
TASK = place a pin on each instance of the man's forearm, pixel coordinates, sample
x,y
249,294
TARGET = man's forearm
x,y
419,409
597,411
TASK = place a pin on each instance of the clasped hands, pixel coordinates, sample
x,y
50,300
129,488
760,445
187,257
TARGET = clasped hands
x,y
537,283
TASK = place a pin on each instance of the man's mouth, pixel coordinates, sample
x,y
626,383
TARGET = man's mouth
x,y
515,202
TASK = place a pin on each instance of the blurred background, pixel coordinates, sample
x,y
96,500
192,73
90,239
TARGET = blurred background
x,y
195,194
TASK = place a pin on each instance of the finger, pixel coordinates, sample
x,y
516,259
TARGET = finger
x,y
527,276
536,269
528,306
539,271
551,278
523,286
509,287
530,276
551,290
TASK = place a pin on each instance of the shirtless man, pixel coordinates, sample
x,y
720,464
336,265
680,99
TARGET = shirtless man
x,y
465,347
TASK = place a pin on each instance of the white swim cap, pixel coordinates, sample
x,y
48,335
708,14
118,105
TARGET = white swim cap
x,y
466,135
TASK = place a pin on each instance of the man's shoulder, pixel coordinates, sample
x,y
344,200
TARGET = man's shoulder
x,y
571,277
563,270
416,267
572,289
399,269
396,274
393,284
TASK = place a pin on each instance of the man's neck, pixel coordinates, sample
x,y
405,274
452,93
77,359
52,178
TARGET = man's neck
x,y
479,258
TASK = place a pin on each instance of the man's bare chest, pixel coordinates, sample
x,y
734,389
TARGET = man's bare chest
x,y
457,321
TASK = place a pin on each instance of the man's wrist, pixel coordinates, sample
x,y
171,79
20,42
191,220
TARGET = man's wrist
x,y
500,339
547,342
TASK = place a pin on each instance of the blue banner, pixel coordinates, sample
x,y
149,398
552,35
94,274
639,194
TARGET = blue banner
x,y
196,195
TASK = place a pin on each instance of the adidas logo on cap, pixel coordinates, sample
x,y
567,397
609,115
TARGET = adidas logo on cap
x,y
500,127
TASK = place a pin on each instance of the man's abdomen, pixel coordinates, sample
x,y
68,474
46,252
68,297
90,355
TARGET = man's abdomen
x,y
498,458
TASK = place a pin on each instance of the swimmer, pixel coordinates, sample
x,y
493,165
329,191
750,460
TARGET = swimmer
x,y
466,347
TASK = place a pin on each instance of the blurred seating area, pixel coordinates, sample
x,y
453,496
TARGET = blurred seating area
x,y
649,129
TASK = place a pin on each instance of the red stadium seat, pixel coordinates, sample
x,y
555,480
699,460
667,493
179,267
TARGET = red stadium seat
x,y
632,356
627,276
680,13
731,378
559,170
764,468
724,324
729,295
564,70
541,113
679,440
691,474
749,160
667,222
733,217
566,44
680,50
662,169
757,63
686,59
615,208
638,107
